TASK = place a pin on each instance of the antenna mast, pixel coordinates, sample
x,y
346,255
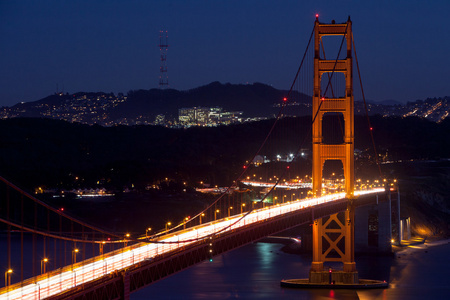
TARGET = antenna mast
x,y
163,45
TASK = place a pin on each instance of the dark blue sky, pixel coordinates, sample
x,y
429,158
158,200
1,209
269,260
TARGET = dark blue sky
x,y
111,46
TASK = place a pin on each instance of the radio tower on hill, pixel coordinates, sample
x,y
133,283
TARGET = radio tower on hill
x,y
163,45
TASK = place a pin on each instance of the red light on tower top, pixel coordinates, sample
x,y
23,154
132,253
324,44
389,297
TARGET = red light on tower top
x,y
284,99
317,16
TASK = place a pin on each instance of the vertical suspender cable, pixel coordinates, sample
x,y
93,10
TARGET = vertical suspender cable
x,y
54,254
65,252
21,238
93,244
8,228
60,243
74,246
213,204
84,244
34,240
367,112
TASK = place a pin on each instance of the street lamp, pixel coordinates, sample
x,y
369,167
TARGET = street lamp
x,y
184,223
146,232
101,247
229,208
292,196
74,255
275,200
8,277
126,239
215,213
43,262
284,196
167,225
242,206
202,215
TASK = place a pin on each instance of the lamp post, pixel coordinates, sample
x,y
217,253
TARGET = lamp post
x,y
215,213
43,263
101,247
8,277
184,223
201,215
229,208
275,200
242,206
74,255
168,225
284,196
146,232
292,195
126,239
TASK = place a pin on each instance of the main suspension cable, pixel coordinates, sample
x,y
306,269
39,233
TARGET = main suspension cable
x,y
22,192
246,166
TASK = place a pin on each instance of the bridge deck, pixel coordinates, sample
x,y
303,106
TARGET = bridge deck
x,y
145,263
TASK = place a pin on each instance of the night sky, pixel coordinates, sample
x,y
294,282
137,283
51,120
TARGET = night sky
x,y
111,46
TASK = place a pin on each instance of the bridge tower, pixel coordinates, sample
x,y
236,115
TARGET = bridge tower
x,y
334,234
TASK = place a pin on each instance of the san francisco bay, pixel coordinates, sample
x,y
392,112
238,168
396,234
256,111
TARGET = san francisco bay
x,y
254,272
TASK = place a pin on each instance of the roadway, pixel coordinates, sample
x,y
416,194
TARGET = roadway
x,y
57,281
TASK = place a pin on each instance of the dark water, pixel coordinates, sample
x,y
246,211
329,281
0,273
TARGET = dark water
x,y
59,254
254,272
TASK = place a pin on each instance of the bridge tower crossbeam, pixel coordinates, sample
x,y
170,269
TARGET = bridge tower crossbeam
x,y
333,232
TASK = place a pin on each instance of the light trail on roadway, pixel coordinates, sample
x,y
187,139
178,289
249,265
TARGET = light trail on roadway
x,y
57,281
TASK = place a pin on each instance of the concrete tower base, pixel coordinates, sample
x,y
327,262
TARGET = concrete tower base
x,y
362,284
333,277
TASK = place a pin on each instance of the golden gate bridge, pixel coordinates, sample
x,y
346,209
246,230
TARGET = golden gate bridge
x,y
79,261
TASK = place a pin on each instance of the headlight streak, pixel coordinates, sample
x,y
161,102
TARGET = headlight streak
x,y
105,264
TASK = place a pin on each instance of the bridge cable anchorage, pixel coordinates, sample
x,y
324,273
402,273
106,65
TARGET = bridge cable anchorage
x,y
367,111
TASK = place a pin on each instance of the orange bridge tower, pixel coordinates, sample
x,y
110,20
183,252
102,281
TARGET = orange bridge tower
x,y
333,238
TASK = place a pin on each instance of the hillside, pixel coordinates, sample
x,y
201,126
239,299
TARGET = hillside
x,y
255,100
44,151
57,155
142,106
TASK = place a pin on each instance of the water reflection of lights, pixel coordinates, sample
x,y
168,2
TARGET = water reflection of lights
x,y
263,254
